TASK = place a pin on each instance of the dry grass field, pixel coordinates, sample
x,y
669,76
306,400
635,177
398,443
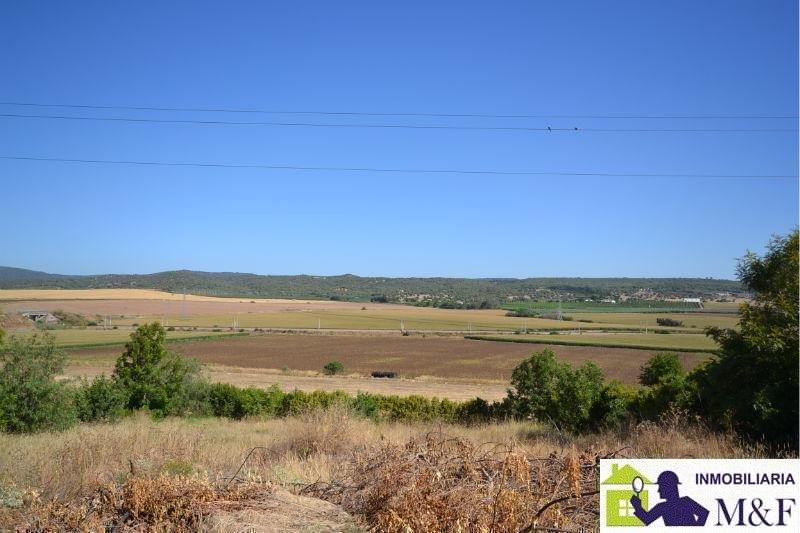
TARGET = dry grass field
x,y
411,356
294,453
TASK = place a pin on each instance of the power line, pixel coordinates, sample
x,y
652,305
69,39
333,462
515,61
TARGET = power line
x,y
390,170
546,129
388,114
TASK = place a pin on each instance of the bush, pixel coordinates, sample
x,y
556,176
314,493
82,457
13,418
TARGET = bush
x,y
614,406
30,397
660,367
384,374
100,400
232,402
553,393
669,322
334,367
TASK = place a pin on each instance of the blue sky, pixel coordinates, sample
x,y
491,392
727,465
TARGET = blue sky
x,y
541,58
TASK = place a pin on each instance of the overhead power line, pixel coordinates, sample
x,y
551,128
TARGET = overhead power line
x,y
545,129
393,170
390,114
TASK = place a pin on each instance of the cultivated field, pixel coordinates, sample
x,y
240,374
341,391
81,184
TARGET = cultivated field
x,y
655,341
412,356
640,320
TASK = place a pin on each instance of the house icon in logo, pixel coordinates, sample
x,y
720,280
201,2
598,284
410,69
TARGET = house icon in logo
x,y
619,510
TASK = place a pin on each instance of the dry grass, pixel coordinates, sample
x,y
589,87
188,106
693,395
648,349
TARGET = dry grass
x,y
293,452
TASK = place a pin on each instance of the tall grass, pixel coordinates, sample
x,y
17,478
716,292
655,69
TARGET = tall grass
x,y
296,450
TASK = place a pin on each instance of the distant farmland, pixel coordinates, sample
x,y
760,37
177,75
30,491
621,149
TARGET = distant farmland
x,y
647,341
642,306
413,356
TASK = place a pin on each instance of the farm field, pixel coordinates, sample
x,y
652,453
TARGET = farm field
x,y
452,389
690,320
99,337
126,307
604,307
412,356
673,341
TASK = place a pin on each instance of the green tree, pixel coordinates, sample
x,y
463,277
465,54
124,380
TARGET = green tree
x,y
137,370
153,378
552,392
30,397
660,367
752,385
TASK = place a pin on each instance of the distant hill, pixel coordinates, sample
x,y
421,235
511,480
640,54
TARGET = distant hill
x,y
490,292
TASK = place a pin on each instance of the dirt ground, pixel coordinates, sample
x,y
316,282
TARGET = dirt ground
x,y
409,356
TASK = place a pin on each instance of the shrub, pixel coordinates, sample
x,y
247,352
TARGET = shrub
x,y
384,374
660,367
553,393
334,367
232,402
669,322
30,397
614,405
100,400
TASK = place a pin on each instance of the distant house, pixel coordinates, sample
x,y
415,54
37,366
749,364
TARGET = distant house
x,y
40,316
608,301
692,300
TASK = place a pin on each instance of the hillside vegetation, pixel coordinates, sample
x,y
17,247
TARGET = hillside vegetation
x,y
486,292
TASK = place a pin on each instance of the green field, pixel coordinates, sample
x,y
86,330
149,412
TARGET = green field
x,y
674,341
97,337
690,320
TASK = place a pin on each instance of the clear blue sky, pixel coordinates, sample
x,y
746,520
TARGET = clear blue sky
x,y
558,58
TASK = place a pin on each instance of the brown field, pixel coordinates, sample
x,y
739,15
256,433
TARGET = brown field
x,y
452,389
411,356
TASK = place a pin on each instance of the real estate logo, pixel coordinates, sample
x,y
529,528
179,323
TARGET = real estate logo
x,y
726,495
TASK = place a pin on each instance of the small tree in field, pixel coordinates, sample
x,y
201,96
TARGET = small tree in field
x,y
334,367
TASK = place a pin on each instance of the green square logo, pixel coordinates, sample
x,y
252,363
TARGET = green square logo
x,y
619,511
